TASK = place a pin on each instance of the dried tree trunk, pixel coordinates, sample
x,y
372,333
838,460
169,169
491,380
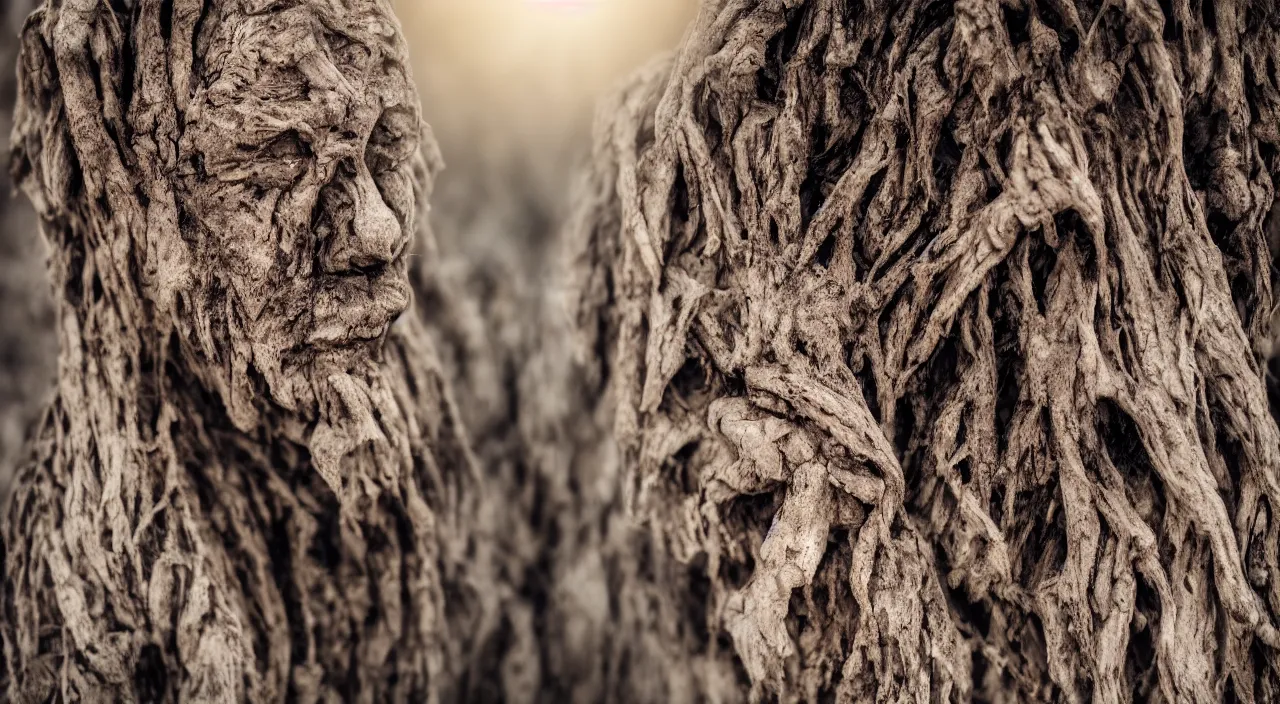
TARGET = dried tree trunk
x,y
247,487
936,336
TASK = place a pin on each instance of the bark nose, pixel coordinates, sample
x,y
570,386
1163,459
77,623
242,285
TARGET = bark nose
x,y
373,237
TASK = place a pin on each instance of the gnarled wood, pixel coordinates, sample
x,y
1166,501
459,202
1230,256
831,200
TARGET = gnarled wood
x,y
250,484
936,332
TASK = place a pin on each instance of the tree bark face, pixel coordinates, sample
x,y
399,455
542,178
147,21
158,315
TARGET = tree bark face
x,y
933,335
936,336
249,485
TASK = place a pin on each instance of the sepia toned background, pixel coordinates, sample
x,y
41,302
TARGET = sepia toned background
x,y
508,87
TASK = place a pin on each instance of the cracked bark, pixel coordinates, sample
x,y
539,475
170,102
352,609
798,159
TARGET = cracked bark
x,y
250,485
541,527
936,376
936,335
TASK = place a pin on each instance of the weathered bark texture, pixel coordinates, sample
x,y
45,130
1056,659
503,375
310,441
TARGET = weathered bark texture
x,y
28,350
936,333
249,485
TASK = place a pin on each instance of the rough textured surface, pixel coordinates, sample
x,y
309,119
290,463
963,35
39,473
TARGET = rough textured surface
x,y
936,334
933,335
249,485
568,613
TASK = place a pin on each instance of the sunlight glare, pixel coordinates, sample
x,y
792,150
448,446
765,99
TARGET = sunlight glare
x,y
558,4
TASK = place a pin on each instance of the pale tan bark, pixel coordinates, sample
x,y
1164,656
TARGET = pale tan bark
x,y
247,487
933,336
937,333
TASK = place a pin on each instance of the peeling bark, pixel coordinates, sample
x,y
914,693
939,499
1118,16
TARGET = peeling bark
x,y
936,336
250,485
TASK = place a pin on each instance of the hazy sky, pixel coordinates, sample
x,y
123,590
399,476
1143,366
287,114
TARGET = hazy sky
x,y
503,76
509,86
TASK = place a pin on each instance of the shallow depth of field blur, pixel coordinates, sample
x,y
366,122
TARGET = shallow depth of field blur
x,y
509,87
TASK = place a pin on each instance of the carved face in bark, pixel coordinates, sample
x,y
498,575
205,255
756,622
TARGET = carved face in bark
x,y
302,134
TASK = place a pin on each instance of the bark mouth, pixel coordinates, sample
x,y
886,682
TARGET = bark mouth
x,y
353,310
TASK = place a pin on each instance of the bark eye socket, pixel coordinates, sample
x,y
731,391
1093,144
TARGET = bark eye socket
x,y
287,147
276,162
394,140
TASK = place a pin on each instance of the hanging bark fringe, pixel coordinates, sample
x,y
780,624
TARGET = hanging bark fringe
x,y
936,331
236,495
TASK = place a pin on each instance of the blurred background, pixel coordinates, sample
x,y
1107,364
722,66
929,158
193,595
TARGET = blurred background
x,y
509,87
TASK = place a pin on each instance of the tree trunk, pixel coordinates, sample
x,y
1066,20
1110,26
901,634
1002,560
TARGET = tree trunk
x,y
249,486
936,338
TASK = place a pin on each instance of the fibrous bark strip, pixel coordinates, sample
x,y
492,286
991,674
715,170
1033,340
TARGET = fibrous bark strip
x,y
250,483
937,333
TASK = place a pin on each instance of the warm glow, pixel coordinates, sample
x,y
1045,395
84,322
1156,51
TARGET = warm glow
x,y
509,86
563,5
